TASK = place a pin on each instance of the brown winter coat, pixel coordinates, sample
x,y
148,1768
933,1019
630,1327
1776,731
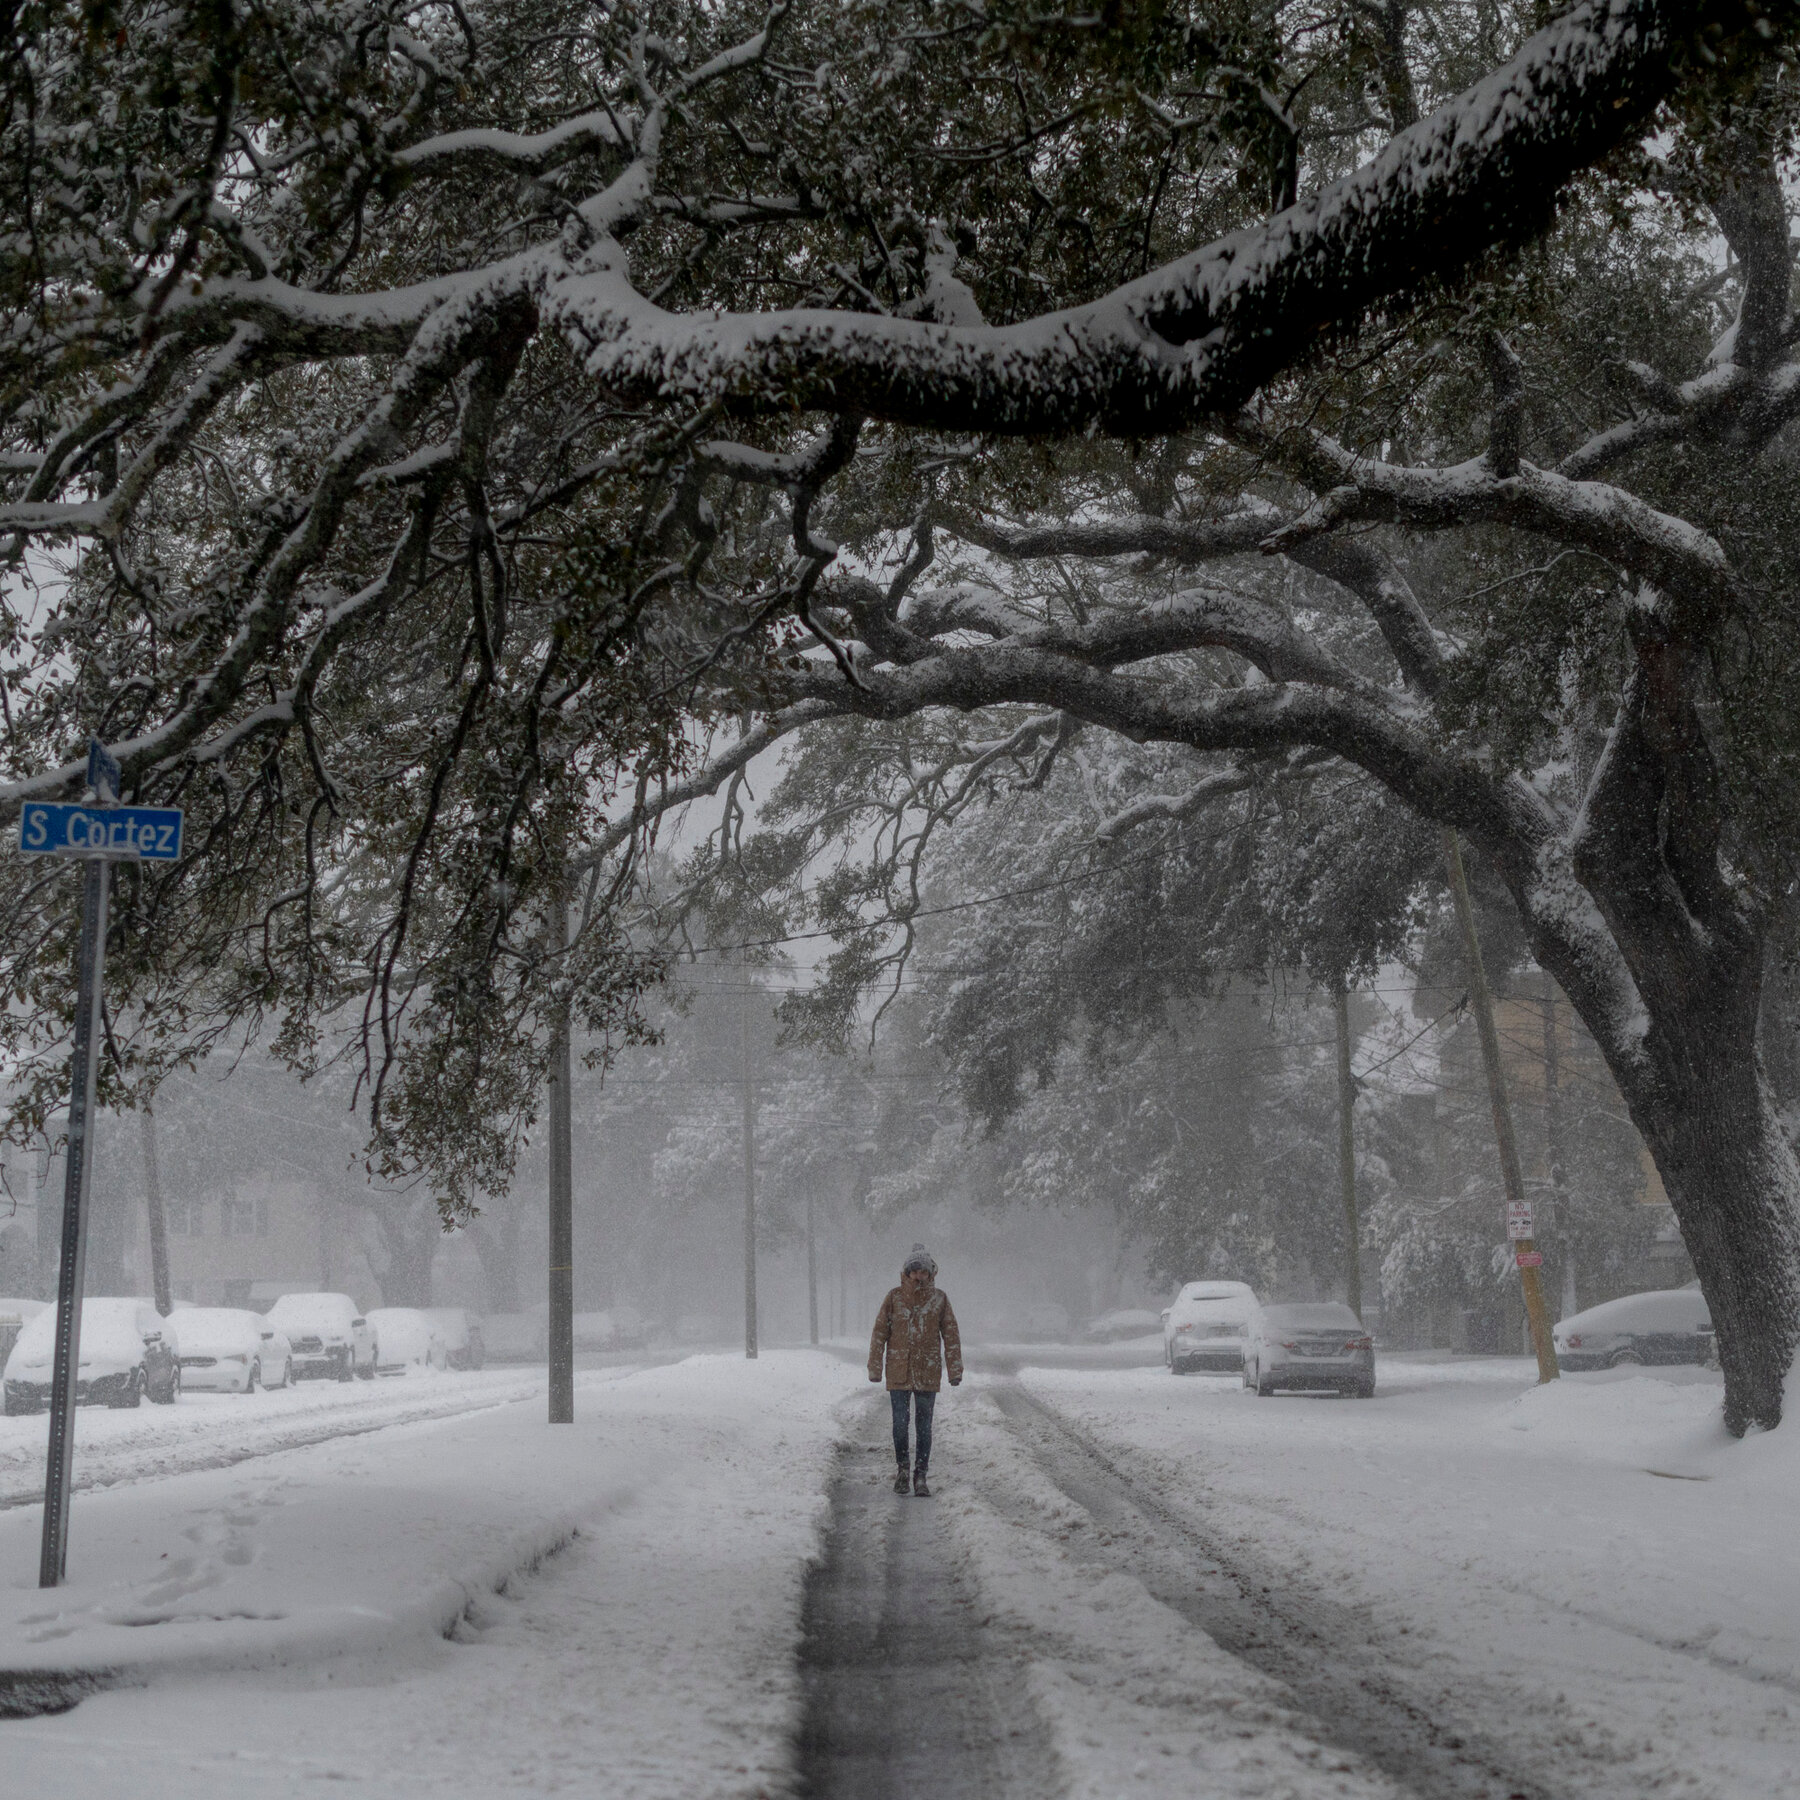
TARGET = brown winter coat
x,y
909,1333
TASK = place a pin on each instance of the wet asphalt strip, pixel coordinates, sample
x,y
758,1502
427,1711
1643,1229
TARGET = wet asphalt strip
x,y
904,1694
1312,1645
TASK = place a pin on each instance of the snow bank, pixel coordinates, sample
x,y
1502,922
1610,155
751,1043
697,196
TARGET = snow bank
x,y
1627,1418
689,1498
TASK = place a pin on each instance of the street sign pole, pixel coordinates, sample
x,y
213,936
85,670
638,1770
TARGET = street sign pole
x,y
99,833
79,1164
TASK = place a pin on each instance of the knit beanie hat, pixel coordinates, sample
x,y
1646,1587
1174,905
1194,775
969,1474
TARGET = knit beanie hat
x,y
920,1258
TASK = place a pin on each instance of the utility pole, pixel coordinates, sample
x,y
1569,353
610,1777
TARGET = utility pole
x,y
1553,1144
812,1269
1518,1208
561,1323
749,1175
153,1205
1340,1005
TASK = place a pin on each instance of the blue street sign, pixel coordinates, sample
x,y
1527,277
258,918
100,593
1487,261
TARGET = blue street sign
x,y
54,828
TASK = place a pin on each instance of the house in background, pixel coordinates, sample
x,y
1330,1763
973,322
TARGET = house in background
x,y
249,1245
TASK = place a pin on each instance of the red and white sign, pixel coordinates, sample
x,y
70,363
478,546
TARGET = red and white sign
x,y
1529,1259
1519,1220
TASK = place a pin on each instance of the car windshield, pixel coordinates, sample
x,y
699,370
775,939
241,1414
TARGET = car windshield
x,y
312,1310
108,1327
1673,1310
1232,1313
1329,1318
211,1330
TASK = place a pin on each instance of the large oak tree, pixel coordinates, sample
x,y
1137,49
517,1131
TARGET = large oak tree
x,y
415,414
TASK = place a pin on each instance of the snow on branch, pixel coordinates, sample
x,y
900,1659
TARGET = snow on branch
x,y
1656,547
533,151
1150,809
1201,334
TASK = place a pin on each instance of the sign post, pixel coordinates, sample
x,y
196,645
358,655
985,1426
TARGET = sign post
x,y
99,834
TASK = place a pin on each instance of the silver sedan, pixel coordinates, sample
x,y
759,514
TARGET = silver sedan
x,y
1319,1345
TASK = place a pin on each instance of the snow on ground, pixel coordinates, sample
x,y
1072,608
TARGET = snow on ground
x,y
621,1598
481,1604
1595,1568
1133,1699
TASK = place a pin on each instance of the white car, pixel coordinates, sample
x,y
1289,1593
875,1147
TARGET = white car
x,y
409,1340
330,1338
1205,1326
229,1350
128,1350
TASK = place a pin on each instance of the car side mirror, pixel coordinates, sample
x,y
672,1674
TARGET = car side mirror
x,y
1165,1314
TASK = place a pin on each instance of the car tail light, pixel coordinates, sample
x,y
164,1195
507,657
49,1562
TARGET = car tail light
x,y
1184,1328
1573,1340
1361,1343
1290,1343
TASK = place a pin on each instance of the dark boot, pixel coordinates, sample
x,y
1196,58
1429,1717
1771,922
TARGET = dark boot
x,y
921,1486
900,1479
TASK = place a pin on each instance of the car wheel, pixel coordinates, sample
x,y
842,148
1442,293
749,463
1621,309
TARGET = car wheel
x,y
1625,1359
287,1373
134,1394
347,1368
174,1389
368,1374
1364,1390
253,1380
1264,1385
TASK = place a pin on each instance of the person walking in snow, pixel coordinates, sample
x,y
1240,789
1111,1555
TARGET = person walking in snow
x,y
916,1332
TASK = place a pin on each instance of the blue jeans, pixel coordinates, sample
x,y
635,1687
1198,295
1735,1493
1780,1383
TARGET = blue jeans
x,y
922,1405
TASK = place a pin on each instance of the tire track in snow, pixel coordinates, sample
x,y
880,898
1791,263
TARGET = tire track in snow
x,y
1320,1651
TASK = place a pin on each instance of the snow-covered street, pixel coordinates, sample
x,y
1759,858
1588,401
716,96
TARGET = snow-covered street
x,y
1127,1583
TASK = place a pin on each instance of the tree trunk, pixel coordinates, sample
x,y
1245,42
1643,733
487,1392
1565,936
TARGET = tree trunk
x,y
498,1251
1731,1175
410,1236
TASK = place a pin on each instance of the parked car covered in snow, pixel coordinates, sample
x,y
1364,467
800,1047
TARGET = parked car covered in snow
x,y
1321,1344
617,1328
461,1331
15,1315
1116,1327
1669,1325
330,1338
1205,1325
229,1350
408,1339
128,1351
